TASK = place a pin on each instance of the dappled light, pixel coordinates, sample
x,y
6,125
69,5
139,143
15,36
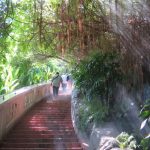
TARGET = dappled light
x,y
100,50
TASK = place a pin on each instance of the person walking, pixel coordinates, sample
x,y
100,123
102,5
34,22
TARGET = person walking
x,y
56,81
64,82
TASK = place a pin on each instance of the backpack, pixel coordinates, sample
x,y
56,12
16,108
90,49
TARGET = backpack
x,y
67,78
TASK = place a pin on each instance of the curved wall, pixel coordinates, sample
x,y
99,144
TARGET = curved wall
x,y
12,109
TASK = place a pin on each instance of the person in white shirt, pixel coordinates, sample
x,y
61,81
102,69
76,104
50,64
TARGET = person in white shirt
x,y
64,82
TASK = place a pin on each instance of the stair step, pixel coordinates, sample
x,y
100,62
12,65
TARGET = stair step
x,y
40,145
42,131
73,148
42,128
48,126
43,136
40,140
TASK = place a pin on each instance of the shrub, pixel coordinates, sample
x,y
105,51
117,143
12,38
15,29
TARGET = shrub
x,y
91,111
126,141
145,144
97,75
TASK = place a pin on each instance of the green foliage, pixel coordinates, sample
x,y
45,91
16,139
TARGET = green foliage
x,y
9,76
23,35
6,12
24,65
98,110
126,141
145,114
22,31
97,76
8,79
84,115
92,111
40,73
18,71
145,144
145,111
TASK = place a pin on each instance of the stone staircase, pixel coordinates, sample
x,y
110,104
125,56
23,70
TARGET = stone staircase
x,y
47,126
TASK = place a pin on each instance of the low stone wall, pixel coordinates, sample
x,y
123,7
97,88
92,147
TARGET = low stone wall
x,y
14,108
75,105
126,120
93,136
128,110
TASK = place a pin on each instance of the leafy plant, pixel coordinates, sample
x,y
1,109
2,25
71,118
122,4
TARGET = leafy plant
x,y
41,72
18,71
126,141
145,114
84,114
96,76
98,110
91,111
145,144
9,78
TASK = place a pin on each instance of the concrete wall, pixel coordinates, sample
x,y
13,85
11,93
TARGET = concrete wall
x,y
13,108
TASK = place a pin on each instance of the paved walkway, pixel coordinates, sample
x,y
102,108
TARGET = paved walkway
x,y
47,126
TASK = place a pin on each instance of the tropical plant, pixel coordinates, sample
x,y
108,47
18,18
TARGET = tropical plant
x,y
18,71
9,76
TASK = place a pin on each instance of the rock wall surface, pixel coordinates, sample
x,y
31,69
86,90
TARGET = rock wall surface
x,y
102,136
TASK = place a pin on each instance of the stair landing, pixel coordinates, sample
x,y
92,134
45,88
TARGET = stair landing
x,y
47,126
